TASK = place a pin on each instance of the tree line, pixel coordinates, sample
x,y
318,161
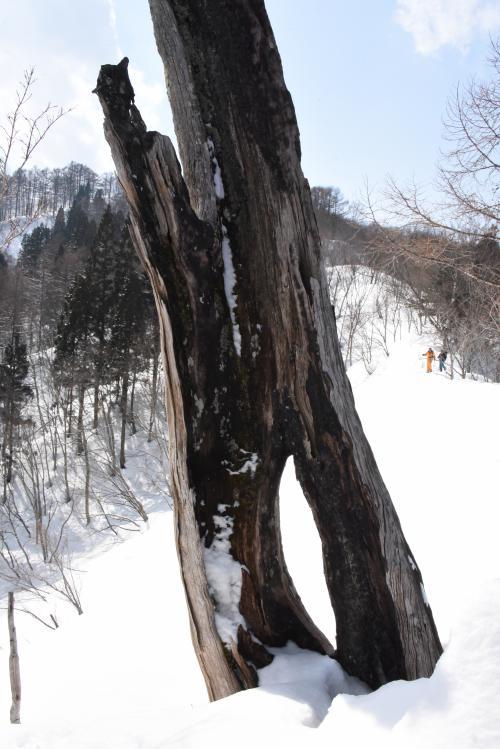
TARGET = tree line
x,y
36,191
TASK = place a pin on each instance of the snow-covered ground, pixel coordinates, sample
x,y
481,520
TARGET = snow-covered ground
x,y
49,472
123,675
437,444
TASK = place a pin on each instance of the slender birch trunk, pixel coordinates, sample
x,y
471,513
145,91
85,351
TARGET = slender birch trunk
x,y
14,670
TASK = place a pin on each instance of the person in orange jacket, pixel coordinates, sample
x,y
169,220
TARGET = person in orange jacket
x,y
430,358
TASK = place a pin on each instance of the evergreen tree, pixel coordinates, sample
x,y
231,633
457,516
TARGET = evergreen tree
x,y
14,392
58,230
98,206
72,360
85,323
100,336
100,274
73,329
79,229
32,246
131,308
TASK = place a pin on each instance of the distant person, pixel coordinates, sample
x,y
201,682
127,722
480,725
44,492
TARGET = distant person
x,y
441,359
430,358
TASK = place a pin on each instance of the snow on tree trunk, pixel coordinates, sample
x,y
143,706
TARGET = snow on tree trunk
x,y
252,362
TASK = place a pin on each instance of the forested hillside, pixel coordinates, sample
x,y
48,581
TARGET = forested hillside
x,y
79,384
449,280
44,191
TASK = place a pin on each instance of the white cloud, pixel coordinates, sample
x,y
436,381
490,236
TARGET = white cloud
x,y
436,23
67,54
114,27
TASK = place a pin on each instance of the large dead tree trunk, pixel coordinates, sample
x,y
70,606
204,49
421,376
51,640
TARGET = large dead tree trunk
x,y
252,362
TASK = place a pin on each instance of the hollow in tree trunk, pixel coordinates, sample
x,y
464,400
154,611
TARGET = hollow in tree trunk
x,y
252,363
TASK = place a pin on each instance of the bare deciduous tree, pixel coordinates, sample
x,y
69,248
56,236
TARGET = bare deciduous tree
x,y
20,135
466,215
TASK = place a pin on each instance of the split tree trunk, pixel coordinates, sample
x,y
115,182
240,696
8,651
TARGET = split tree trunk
x,y
252,361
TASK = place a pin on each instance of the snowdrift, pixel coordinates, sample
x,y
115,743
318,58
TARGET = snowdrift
x,y
123,675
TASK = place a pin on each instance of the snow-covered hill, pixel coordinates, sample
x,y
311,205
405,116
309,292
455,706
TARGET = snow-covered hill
x,y
123,675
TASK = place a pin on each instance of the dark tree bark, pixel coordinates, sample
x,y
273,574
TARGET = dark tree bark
x,y
79,423
154,389
131,414
252,362
124,414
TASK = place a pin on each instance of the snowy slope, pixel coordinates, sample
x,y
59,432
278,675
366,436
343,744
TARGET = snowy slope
x,y
123,675
119,500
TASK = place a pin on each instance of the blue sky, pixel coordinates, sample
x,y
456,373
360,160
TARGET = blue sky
x,y
369,80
